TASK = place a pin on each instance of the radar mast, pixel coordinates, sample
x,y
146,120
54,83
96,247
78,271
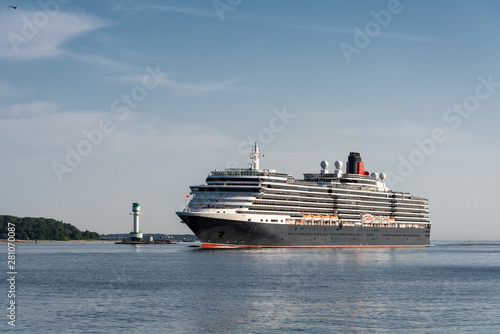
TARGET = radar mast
x,y
254,156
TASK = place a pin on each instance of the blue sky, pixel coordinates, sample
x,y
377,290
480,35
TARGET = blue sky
x,y
152,95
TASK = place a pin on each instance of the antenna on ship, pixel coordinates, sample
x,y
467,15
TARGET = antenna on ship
x,y
255,155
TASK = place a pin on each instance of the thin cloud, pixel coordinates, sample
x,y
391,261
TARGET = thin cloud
x,y
407,37
183,88
101,61
5,88
172,9
7,91
337,30
350,31
24,40
135,79
44,126
200,89
333,115
29,110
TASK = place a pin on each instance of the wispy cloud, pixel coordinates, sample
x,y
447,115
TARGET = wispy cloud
x,y
407,37
5,89
133,79
333,116
22,39
42,125
200,88
185,88
350,31
8,91
399,131
28,110
172,9
337,30
108,63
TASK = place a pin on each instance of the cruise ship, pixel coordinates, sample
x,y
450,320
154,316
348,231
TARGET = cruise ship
x,y
254,207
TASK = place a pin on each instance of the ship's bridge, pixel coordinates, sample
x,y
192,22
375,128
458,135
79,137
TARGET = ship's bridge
x,y
248,172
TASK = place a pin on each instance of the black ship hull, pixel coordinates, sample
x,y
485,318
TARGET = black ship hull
x,y
214,232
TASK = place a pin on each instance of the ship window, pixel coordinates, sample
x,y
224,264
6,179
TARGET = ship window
x,y
250,220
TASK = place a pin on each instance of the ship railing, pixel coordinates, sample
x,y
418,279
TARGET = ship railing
x,y
359,223
238,172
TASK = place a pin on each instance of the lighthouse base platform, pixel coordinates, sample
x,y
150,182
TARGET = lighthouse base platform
x,y
154,242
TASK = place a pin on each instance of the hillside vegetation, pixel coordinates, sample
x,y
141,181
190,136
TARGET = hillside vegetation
x,y
43,229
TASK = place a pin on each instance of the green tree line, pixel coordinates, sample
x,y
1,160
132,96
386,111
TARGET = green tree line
x,y
43,229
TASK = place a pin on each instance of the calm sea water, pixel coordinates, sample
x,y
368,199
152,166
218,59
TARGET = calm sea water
x,y
106,288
